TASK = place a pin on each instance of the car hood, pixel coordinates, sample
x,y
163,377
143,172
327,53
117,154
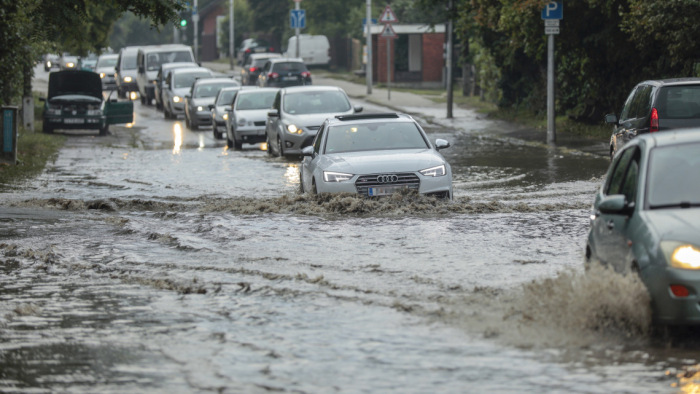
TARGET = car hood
x,y
252,114
373,162
74,98
676,224
75,82
182,92
310,120
106,70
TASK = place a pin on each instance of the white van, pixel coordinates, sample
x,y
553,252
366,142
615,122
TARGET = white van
x,y
150,58
315,50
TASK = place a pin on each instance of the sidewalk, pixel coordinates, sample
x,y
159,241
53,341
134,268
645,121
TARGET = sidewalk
x,y
463,119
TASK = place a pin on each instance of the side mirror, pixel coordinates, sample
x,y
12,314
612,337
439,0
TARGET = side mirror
x,y
615,204
610,118
273,113
441,144
357,109
212,106
308,151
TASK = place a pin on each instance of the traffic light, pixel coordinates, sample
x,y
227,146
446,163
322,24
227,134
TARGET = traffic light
x,y
183,22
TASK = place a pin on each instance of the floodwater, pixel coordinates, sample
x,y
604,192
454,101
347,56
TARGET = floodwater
x,y
157,260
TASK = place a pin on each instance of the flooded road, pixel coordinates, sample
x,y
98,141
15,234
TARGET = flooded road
x,y
157,260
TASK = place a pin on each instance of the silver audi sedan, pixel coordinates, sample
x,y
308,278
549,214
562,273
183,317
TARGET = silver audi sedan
x,y
375,155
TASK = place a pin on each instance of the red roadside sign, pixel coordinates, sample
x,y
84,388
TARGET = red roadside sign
x,y
388,16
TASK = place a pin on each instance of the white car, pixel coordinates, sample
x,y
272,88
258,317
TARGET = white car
x,y
248,116
375,155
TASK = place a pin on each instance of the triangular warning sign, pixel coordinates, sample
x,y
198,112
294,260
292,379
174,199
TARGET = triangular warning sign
x,y
388,16
388,31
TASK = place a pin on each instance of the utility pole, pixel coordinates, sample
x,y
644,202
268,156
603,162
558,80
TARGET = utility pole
x,y
368,66
449,61
230,34
297,30
551,125
195,19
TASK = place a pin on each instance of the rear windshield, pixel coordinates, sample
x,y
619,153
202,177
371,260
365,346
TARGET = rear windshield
x,y
186,80
259,62
679,102
374,136
128,62
287,67
673,175
107,62
316,102
154,60
256,100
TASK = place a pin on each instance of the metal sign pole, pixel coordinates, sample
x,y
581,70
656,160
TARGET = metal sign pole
x,y
551,131
296,31
230,35
368,66
388,69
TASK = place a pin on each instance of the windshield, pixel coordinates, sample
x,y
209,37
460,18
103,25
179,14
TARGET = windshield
x,y
210,89
256,100
129,62
374,136
679,102
288,67
185,80
316,102
107,62
154,60
674,178
226,97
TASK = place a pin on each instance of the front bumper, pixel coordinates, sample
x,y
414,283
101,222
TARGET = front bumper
x,y
251,135
202,118
128,87
668,308
294,143
84,122
177,108
428,185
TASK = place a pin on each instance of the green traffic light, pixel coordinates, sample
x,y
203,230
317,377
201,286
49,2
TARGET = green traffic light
x,y
183,22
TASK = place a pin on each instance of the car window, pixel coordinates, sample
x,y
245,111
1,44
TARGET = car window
x,y
625,114
629,186
317,140
276,103
673,175
374,136
107,62
185,80
618,175
256,100
258,62
679,102
288,67
226,97
316,102
129,62
641,104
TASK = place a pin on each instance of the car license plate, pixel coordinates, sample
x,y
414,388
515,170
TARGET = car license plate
x,y
382,191
289,78
74,121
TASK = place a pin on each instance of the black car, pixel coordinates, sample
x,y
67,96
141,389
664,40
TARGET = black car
x,y
250,46
75,101
283,72
656,105
254,65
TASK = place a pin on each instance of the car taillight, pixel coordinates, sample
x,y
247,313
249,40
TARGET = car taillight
x,y
272,75
654,124
272,49
306,74
247,50
252,69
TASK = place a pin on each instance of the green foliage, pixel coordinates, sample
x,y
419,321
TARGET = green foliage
x,y
132,30
243,23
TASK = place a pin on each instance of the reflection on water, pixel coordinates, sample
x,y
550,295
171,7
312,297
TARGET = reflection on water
x,y
225,151
292,174
688,380
133,95
177,137
263,146
201,142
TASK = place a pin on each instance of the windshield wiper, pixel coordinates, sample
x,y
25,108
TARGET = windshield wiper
x,y
681,204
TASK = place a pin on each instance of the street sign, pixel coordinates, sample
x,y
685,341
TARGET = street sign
x,y
388,16
553,10
551,30
364,23
297,19
551,23
388,31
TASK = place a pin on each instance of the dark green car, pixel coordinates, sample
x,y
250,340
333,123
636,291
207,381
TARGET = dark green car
x,y
75,101
646,219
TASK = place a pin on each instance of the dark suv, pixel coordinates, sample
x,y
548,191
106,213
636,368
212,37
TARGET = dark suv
x,y
283,72
656,106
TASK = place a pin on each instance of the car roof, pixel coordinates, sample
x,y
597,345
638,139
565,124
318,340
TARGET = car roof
x,y
129,49
386,117
108,55
264,55
183,70
258,89
178,65
672,81
310,88
214,80
671,137
286,59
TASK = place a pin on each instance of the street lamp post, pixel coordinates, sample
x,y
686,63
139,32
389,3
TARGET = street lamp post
x,y
230,34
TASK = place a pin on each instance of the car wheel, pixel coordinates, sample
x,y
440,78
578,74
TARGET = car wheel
x,y
143,99
314,189
269,146
229,143
217,135
104,130
187,122
280,149
121,93
238,145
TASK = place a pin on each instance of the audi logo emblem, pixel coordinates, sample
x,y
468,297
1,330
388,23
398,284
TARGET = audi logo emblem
x,y
387,178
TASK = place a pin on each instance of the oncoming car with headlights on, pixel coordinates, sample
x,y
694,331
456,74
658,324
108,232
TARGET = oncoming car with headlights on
x,y
375,155
646,219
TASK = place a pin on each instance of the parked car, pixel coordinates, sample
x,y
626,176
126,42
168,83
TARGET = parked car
x,y
105,68
250,46
282,72
314,50
201,95
177,85
253,66
148,61
221,108
51,61
126,71
298,112
656,105
75,101
375,155
163,72
248,116
646,219
68,62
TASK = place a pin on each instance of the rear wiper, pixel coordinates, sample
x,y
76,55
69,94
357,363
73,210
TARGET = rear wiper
x,y
681,204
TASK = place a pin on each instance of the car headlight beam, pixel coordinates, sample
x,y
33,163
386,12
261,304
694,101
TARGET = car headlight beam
x,y
176,99
329,176
127,79
681,255
435,171
293,129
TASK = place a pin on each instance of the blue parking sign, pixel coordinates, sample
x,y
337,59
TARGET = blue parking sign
x,y
553,10
297,19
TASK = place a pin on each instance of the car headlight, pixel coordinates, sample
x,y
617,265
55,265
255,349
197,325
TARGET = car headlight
x,y
241,122
225,116
434,171
94,112
293,129
176,99
336,176
200,108
127,79
48,63
681,255
102,75
53,111
70,64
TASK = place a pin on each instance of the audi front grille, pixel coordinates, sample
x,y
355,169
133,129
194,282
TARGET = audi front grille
x,y
407,180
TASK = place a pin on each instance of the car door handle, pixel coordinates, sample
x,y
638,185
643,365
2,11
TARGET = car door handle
x,y
610,224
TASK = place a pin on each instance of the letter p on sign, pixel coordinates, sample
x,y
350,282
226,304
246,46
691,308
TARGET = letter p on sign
x,y
553,10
